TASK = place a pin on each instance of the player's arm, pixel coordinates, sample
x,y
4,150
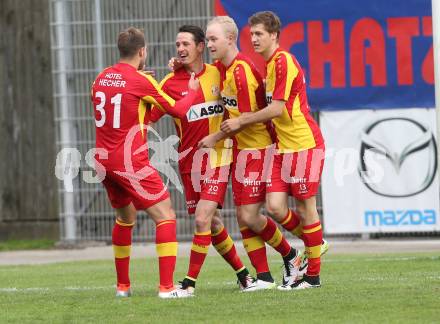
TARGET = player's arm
x,y
162,101
275,109
157,113
285,73
210,140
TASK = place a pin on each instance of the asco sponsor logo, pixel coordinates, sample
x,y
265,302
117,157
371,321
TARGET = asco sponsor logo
x,y
400,217
204,110
231,102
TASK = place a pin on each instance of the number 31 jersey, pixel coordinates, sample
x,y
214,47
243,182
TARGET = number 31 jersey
x,y
122,98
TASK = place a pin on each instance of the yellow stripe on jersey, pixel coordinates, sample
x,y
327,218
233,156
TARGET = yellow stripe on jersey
x,y
253,243
255,136
292,73
294,133
292,129
151,99
142,110
166,249
221,156
121,251
165,79
210,85
179,127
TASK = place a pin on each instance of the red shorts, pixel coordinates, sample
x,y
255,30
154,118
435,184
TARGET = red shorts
x,y
248,186
297,173
211,187
123,188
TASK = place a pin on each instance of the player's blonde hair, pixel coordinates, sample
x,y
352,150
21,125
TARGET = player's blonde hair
x,y
228,24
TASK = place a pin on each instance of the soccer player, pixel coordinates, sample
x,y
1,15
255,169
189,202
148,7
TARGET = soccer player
x,y
298,166
210,173
242,90
122,97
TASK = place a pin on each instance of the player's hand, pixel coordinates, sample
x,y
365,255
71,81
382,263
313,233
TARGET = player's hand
x,y
193,83
149,72
230,125
174,64
207,142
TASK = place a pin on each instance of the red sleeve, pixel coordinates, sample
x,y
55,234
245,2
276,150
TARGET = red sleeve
x,y
243,89
283,78
156,114
152,94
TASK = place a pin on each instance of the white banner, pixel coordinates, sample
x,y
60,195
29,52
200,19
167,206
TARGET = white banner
x,y
380,172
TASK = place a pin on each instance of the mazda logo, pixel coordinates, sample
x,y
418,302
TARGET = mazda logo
x,y
408,154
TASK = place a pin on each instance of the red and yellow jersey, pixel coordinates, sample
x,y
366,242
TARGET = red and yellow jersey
x,y
295,129
242,91
203,117
122,98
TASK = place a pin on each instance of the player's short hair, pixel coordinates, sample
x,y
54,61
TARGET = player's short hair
x,y
130,41
229,25
196,31
268,19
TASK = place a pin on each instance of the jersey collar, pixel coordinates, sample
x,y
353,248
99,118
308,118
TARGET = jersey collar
x,y
277,50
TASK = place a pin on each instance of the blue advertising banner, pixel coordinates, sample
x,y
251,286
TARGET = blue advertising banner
x,y
356,54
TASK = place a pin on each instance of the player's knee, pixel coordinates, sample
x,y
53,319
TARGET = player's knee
x,y
202,224
216,223
203,219
244,218
274,209
127,214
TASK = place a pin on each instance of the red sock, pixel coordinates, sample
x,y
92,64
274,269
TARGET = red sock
x,y
313,240
256,249
225,247
292,223
166,247
199,250
272,235
121,240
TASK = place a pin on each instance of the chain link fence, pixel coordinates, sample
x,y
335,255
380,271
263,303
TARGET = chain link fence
x,y
83,38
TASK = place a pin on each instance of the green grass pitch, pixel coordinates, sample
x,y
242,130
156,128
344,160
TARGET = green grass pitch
x,y
368,288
